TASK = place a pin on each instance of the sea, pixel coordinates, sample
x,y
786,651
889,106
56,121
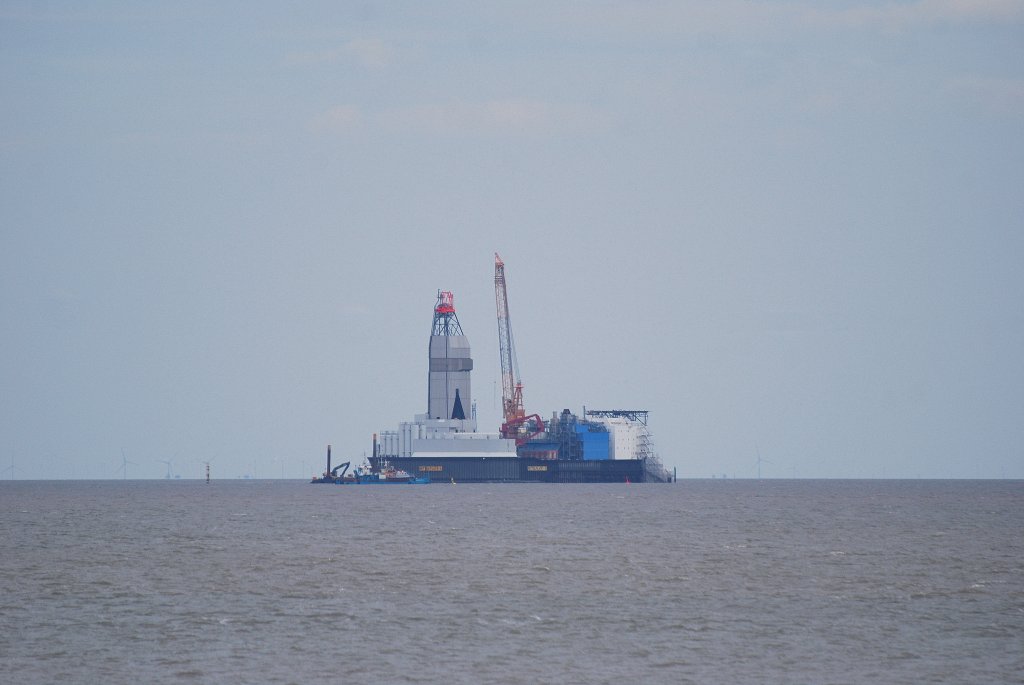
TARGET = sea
x,y
701,581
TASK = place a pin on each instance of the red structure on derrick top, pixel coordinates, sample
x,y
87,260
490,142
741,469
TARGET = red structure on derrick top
x,y
445,321
445,302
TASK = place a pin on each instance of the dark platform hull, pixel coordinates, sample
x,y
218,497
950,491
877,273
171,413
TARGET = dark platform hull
x,y
522,470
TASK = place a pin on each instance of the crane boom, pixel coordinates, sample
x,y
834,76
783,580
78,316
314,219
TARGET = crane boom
x,y
517,424
511,387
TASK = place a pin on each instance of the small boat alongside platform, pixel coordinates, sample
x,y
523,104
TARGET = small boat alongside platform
x,y
383,474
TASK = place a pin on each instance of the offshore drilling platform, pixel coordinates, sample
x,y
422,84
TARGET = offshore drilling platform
x,y
602,446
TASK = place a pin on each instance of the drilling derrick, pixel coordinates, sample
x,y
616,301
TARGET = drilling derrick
x,y
517,424
448,391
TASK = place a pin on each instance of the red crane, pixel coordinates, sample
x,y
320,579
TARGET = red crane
x,y
517,424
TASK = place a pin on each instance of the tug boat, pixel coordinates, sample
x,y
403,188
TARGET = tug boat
x,y
388,476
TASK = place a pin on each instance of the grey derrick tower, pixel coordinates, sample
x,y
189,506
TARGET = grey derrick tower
x,y
448,388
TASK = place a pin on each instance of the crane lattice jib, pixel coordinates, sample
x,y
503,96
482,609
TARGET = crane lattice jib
x,y
511,388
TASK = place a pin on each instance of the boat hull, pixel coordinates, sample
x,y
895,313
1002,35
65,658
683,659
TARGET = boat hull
x,y
522,470
373,480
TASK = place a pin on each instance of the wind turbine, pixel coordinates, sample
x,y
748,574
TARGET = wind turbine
x,y
759,461
12,468
168,462
124,465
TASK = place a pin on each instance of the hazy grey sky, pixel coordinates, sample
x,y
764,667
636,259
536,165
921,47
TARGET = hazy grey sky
x,y
787,227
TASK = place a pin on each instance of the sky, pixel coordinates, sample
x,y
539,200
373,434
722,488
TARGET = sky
x,y
791,231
